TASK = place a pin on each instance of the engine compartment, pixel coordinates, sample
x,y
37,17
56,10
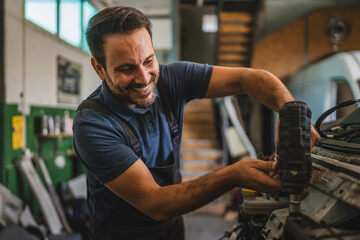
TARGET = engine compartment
x,y
330,206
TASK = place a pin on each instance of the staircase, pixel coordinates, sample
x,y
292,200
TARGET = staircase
x,y
200,152
237,19
234,39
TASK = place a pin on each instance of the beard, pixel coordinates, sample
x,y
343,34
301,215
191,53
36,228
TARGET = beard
x,y
144,100
133,97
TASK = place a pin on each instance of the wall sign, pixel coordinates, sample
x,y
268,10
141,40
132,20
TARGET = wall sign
x,y
17,125
69,77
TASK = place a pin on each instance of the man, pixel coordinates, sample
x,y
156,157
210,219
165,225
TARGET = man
x,y
140,195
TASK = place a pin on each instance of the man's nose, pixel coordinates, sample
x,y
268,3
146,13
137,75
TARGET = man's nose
x,y
143,76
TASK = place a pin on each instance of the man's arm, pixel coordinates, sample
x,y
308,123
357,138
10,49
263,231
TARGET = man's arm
x,y
261,85
137,186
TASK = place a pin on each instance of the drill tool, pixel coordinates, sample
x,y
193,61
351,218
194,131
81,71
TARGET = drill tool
x,y
294,150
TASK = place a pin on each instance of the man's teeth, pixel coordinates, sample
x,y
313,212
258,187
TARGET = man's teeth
x,y
142,89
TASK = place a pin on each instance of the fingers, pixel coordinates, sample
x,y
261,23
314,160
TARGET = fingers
x,y
267,165
277,184
254,175
273,158
273,173
277,131
270,184
315,137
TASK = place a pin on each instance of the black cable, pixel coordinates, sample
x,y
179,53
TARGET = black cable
x,y
328,112
349,132
352,138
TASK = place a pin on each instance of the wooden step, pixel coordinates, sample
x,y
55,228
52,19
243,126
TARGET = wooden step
x,y
200,102
201,154
232,57
198,135
203,162
199,144
197,167
199,117
234,39
240,59
236,16
198,109
235,28
198,126
233,48
235,32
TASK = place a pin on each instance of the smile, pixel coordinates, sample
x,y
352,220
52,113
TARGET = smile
x,y
143,91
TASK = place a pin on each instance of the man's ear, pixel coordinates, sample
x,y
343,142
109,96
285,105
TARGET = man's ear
x,y
98,68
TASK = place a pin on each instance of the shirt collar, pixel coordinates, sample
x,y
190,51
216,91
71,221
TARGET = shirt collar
x,y
119,107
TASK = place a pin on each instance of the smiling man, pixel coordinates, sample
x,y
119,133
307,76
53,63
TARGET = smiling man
x,y
128,137
132,70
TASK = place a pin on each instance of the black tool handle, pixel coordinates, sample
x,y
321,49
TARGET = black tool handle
x,y
294,146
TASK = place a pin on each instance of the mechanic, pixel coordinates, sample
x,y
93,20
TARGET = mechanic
x,y
139,195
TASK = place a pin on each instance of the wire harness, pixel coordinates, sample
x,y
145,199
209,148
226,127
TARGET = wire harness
x,y
339,127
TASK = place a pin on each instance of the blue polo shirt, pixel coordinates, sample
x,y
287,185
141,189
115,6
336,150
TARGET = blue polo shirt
x,y
104,147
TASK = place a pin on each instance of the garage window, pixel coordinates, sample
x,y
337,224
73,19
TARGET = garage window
x,y
65,18
88,11
70,21
42,13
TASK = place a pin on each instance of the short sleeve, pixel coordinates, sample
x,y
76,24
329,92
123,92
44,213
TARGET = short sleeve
x,y
102,145
187,80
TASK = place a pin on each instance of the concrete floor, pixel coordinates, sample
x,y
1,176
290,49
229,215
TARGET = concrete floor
x,y
202,226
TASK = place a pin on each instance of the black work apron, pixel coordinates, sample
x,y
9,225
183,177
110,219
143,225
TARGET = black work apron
x,y
126,222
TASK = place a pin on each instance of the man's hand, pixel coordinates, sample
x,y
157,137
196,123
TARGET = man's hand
x,y
253,174
315,137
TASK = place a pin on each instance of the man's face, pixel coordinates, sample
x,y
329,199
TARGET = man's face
x,y
132,69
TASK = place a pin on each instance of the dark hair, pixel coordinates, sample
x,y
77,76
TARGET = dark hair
x,y
113,20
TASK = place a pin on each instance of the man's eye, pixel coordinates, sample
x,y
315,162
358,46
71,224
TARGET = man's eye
x,y
148,62
125,69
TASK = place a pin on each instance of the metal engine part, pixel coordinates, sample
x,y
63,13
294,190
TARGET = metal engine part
x,y
330,206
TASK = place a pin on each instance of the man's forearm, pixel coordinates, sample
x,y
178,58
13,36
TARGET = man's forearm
x,y
265,88
174,200
182,198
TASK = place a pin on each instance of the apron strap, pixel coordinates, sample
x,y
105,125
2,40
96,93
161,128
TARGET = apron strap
x,y
101,108
172,122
